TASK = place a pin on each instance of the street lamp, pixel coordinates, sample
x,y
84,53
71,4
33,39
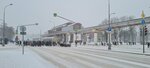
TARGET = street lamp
x,y
3,44
56,15
109,27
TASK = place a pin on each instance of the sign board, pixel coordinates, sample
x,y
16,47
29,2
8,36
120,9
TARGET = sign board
x,y
22,28
23,33
142,21
109,29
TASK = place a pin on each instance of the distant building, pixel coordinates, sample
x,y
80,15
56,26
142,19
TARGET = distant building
x,y
122,32
64,33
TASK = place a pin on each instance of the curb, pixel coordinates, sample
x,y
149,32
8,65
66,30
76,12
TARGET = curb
x,y
127,52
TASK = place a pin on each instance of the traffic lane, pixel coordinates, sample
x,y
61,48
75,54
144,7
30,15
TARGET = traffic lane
x,y
67,61
138,64
75,60
125,56
102,61
47,56
125,61
83,60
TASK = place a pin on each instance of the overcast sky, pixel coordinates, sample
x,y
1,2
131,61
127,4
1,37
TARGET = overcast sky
x,y
87,12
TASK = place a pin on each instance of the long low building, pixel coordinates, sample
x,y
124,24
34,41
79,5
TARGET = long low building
x,y
125,32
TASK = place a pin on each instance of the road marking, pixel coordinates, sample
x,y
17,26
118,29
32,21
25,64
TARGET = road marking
x,y
81,61
96,63
55,60
113,59
66,63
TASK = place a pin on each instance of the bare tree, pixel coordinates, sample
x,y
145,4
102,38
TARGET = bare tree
x,y
119,34
9,32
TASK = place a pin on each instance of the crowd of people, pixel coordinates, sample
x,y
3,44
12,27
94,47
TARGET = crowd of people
x,y
52,43
37,43
42,43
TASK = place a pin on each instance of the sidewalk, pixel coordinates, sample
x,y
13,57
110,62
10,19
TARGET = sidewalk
x,y
134,49
13,58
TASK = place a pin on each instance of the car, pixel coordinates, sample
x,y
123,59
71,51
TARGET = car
x,y
64,45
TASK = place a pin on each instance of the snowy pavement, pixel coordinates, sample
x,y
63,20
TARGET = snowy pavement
x,y
77,57
72,57
137,49
11,57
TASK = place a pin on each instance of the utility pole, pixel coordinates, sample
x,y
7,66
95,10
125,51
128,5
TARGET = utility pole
x,y
109,28
3,43
143,25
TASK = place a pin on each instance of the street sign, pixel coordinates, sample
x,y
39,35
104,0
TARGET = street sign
x,y
23,33
22,28
142,15
143,22
109,29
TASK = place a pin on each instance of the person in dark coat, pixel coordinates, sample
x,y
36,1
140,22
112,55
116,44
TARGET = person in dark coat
x,y
148,44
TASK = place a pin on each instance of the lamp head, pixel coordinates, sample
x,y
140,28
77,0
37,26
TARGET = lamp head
x,y
10,4
55,14
36,23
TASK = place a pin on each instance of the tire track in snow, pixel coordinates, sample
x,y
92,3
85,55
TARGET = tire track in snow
x,y
137,64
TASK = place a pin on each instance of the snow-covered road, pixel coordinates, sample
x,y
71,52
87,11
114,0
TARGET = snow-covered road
x,y
11,57
69,57
77,57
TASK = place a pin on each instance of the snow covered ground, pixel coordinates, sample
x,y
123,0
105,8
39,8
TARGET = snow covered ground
x,y
88,56
80,57
11,57
120,48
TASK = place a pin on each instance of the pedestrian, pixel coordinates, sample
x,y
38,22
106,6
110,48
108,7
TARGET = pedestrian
x,y
148,45
80,42
76,43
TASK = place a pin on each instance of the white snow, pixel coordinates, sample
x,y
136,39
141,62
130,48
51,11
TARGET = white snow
x,y
115,59
122,48
13,58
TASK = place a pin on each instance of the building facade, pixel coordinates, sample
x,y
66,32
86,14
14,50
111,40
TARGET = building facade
x,y
125,32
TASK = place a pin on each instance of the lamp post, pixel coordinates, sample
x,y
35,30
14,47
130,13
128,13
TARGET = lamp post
x,y
109,43
3,44
56,15
109,27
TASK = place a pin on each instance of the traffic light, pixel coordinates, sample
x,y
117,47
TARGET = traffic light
x,y
145,29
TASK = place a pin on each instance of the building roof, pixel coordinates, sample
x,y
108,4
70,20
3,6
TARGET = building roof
x,y
104,27
62,25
